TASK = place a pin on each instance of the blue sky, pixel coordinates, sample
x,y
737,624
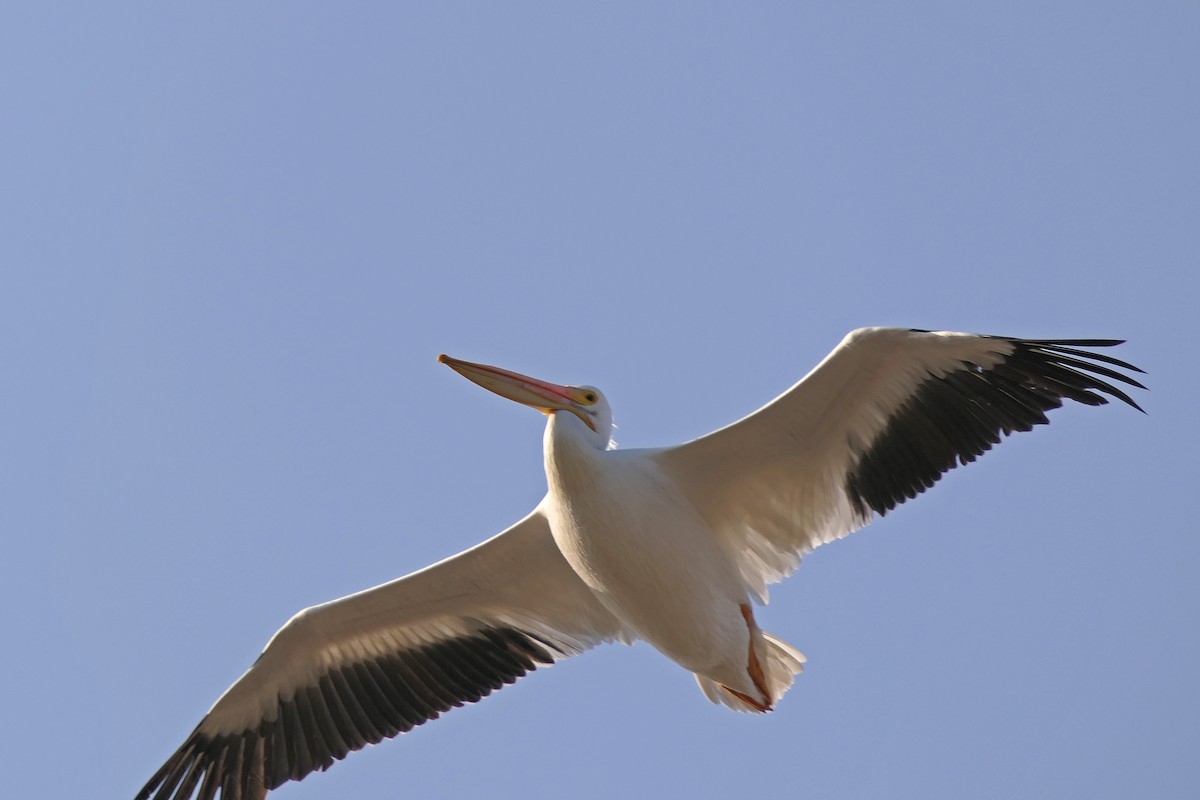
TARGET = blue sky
x,y
237,236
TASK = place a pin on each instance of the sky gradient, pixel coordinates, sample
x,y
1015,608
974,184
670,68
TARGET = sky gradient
x,y
237,236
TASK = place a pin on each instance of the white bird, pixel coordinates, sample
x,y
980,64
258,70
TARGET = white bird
x,y
671,546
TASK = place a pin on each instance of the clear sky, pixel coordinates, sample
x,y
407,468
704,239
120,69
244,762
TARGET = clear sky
x,y
236,236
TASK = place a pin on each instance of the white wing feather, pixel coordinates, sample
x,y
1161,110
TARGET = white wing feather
x,y
517,578
356,670
778,483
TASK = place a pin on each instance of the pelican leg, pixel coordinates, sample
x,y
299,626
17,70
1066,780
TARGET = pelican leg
x,y
753,665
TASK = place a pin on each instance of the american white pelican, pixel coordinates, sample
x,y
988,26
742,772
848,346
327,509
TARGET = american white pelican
x,y
668,545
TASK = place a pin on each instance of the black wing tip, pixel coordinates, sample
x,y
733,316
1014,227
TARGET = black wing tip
x,y
184,761
952,418
1065,342
1074,342
349,707
1063,358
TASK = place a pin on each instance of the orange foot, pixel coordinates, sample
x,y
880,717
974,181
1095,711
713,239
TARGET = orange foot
x,y
753,667
748,700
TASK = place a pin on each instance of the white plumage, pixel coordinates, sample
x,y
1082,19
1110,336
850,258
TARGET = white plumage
x,y
668,545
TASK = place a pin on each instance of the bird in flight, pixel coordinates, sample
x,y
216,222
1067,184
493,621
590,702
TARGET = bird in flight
x,y
672,546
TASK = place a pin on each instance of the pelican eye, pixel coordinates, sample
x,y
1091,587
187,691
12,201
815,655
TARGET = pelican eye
x,y
588,398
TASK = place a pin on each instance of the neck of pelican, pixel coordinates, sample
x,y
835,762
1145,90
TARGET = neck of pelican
x,y
569,446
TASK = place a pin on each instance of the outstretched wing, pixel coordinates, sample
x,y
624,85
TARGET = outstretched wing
x,y
877,422
378,663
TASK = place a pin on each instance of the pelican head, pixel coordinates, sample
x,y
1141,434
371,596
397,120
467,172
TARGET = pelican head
x,y
585,402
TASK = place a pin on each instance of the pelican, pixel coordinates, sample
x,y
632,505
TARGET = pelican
x,y
672,546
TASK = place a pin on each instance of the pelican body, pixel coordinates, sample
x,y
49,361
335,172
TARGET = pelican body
x,y
675,588
671,546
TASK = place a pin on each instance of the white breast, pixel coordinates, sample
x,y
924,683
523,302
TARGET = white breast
x,y
645,551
